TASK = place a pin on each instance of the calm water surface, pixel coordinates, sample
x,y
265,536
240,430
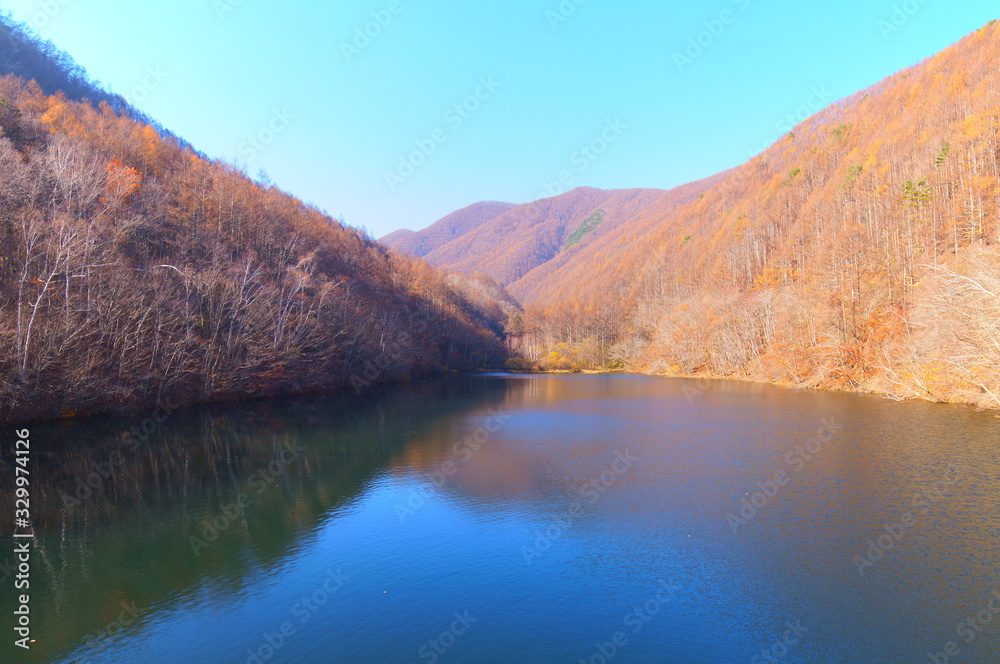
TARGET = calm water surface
x,y
514,519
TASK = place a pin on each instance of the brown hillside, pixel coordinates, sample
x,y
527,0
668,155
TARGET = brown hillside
x,y
133,271
860,251
527,236
455,225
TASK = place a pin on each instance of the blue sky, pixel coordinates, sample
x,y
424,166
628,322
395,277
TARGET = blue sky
x,y
446,103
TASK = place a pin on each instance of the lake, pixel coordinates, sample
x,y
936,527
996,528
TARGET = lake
x,y
520,519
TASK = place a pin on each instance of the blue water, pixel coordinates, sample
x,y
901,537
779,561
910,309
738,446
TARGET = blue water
x,y
538,519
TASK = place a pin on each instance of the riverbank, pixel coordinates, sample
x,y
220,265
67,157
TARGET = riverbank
x,y
900,396
137,406
48,413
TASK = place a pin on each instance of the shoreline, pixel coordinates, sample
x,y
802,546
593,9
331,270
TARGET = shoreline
x,y
182,404
783,384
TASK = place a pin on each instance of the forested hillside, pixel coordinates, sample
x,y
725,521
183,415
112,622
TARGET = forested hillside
x,y
861,251
54,71
453,226
510,244
132,270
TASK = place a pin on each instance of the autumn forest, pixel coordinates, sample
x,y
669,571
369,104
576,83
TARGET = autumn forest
x,y
135,272
859,252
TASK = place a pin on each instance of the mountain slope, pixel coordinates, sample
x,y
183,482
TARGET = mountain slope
x,y
133,272
532,234
393,239
860,251
529,236
456,224
55,72
559,277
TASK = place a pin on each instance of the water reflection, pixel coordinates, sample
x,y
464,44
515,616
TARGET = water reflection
x,y
124,530
549,507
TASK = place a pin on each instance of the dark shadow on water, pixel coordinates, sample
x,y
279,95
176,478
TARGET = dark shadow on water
x,y
124,525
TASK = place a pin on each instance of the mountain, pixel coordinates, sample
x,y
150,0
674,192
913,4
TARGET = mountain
x,y
55,72
456,224
557,278
861,251
396,238
135,272
534,239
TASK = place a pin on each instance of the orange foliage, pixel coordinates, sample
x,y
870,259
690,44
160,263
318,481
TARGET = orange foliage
x,y
807,257
122,182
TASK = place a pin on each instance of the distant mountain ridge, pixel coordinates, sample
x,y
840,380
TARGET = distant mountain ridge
x,y
420,243
510,242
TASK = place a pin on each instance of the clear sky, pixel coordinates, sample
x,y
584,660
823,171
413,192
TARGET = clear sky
x,y
298,88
